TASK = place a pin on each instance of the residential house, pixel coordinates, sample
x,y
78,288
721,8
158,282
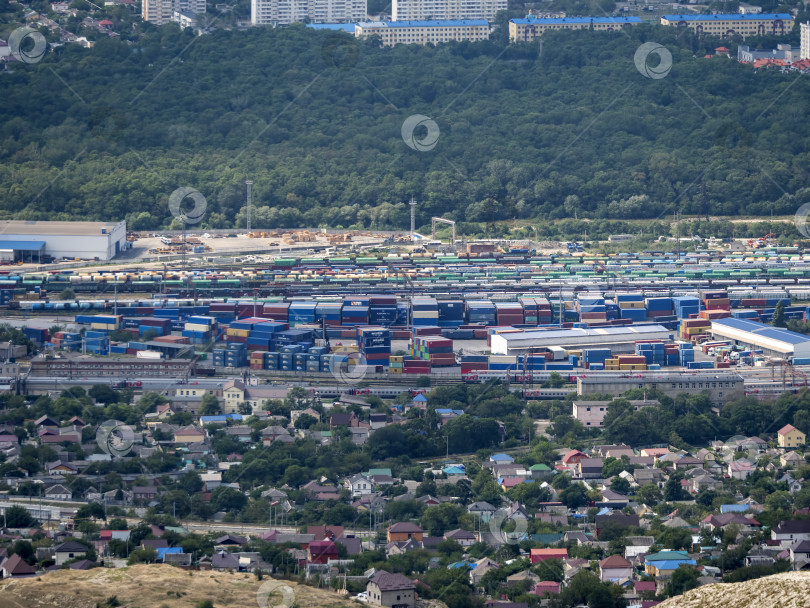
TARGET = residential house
x,y
482,509
68,550
242,432
276,433
644,477
321,551
404,530
348,419
538,555
615,451
480,568
546,588
791,459
800,553
188,434
519,577
315,491
325,532
571,459
230,540
58,492
386,589
144,493
614,520
793,485
590,468
615,568
464,538
637,545
788,532
61,468
658,564
790,438
719,522
687,462
359,485
16,567
740,469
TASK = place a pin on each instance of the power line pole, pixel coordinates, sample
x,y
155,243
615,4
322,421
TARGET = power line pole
x,y
249,185
413,217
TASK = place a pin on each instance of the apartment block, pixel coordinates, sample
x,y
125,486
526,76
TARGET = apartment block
x,y
531,27
733,24
444,10
424,32
284,12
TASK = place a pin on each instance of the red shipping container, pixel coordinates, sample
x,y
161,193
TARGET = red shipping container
x,y
718,304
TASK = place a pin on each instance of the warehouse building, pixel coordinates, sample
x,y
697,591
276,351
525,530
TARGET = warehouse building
x,y
34,241
773,341
620,339
720,386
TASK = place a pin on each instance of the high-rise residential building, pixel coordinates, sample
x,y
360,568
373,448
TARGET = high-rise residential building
x,y
284,12
804,53
421,10
158,12
162,11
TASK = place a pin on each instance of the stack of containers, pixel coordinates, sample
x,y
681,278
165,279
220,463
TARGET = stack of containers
x,y
631,306
238,331
38,334
333,362
416,366
235,355
686,306
508,313
531,363
6,296
591,309
301,337
106,322
97,342
474,363
199,329
403,312
437,350
382,311
671,356
612,311
716,300
262,335
218,357
277,311
686,353
314,355
301,313
257,359
544,313
271,361
396,364
375,345
425,311
632,362
694,328
355,311
529,310
652,351
173,314
502,362
481,312
162,327
328,314
286,357
451,313
222,311
594,356
658,307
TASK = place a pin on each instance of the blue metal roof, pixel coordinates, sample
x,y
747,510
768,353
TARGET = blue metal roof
x,y
576,20
346,27
448,23
766,331
670,564
726,17
22,245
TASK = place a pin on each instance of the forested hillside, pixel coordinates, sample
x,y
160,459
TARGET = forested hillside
x,y
567,129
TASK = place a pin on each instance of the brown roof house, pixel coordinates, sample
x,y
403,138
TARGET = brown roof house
x,y
392,590
404,530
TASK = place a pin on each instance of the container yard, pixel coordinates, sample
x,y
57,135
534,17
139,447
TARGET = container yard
x,y
472,318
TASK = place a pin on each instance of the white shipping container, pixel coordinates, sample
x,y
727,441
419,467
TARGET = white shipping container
x,y
149,354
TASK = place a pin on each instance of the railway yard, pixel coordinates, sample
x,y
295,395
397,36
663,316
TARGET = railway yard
x,y
382,320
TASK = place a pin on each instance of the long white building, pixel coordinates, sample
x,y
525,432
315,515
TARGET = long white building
x,y
424,32
805,40
284,12
30,240
612,337
423,10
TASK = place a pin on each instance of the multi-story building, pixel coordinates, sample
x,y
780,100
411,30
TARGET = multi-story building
x,y
719,385
805,40
426,10
733,24
163,11
531,27
284,12
424,32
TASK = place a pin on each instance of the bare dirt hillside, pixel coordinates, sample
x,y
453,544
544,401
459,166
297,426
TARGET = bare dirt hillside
x,y
788,590
159,586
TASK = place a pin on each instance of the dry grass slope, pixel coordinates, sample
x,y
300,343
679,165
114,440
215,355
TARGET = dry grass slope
x,y
788,590
157,586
